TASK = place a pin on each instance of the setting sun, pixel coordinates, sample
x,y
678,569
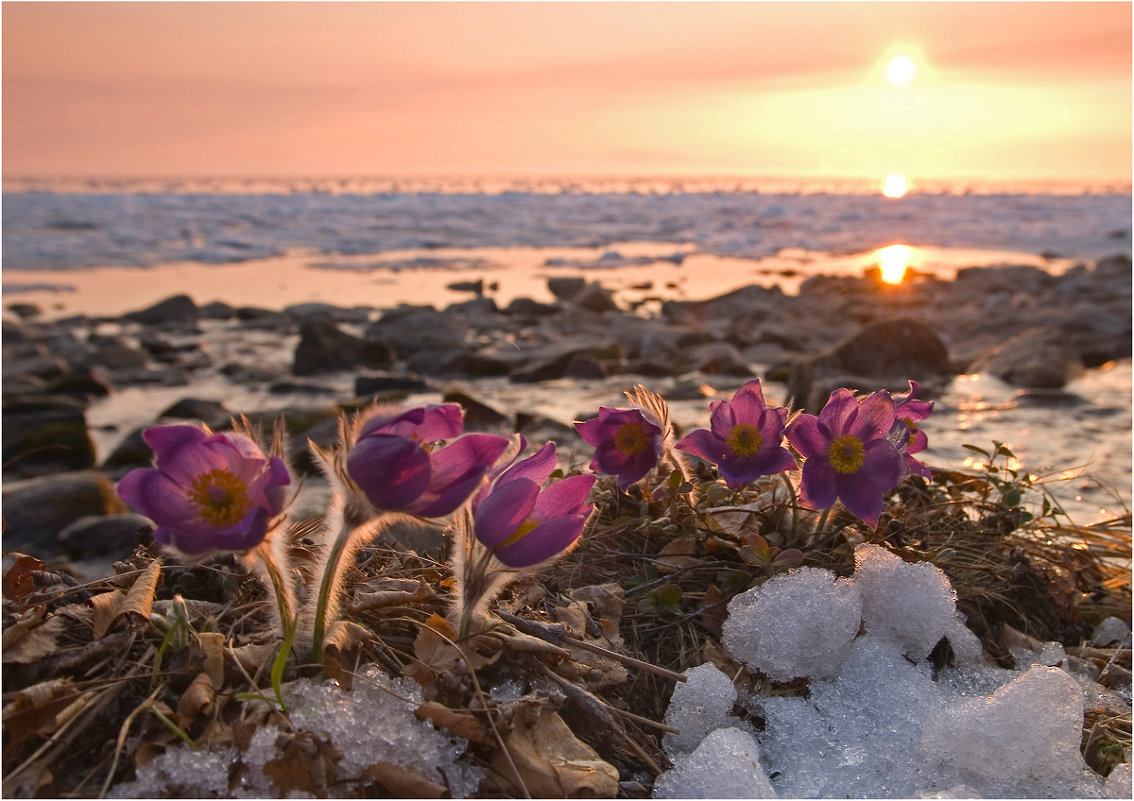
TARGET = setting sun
x,y
893,260
895,186
900,70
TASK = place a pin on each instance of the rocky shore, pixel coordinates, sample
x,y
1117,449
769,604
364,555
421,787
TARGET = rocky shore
x,y
1031,329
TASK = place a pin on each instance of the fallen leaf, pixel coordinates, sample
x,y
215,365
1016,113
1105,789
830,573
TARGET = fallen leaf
x,y
552,762
138,600
404,782
199,698
438,655
677,554
392,592
212,643
342,638
460,722
36,643
18,579
308,763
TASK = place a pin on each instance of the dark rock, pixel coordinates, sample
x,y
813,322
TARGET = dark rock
x,y
46,436
413,329
475,306
82,383
23,311
109,537
163,349
131,451
565,287
358,315
560,365
285,387
463,364
37,509
254,317
584,366
1037,357
48,368
217,310
719,358
210,412
114,353
175,309
539,429
12,333
476,287
323,347
881,355
1035,396
370,385
594,297
526,307
479,416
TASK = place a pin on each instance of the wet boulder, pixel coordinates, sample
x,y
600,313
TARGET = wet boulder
x,y
36,510
177,309
409,330
881,355
1037,357
45,435
324,347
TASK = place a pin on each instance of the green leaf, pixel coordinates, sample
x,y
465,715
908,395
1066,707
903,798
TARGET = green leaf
x,y
1013,498
976,449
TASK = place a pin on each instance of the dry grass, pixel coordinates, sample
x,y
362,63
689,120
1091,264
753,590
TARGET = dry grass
x,y
81,712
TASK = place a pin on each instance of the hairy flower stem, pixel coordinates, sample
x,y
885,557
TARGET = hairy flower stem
x,y
352,530
475,584
269,561
822,521
791,498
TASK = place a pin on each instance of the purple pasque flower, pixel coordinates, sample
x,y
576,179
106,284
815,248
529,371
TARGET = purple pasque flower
x,y
523,525
627,443
206,491
394,462
908,412
744,437
847,454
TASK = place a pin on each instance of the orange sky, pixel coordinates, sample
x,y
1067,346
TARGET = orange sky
x,y
1003,90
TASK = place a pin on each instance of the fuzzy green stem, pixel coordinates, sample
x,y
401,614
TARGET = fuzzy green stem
x,y
332,570
283,598
823,520
791,496
476,583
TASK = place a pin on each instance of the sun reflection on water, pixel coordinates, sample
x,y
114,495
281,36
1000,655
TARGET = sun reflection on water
x,y
893,261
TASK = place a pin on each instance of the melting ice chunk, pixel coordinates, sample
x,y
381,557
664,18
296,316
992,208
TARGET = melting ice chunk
x,y
700,705
798,623
912,603
1025,735
725,765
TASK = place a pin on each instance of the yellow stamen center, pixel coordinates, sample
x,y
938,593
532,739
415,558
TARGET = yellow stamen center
x,y
846,453
632,439
220,496
531,522
911,425
744,439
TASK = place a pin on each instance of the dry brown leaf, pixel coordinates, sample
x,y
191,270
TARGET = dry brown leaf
x,y
553,763
343,638
461,723
392,592
18,580
35,710
212,643
308,763
403,782
112,605
736,521
677,554
34,643
199,698
438,655
254,656
526,643
607,600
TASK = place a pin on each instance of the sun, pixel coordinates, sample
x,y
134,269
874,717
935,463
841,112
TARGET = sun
x,y
895,186
900,70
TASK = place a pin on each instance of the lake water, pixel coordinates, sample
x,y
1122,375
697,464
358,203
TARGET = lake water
x,y
106,247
